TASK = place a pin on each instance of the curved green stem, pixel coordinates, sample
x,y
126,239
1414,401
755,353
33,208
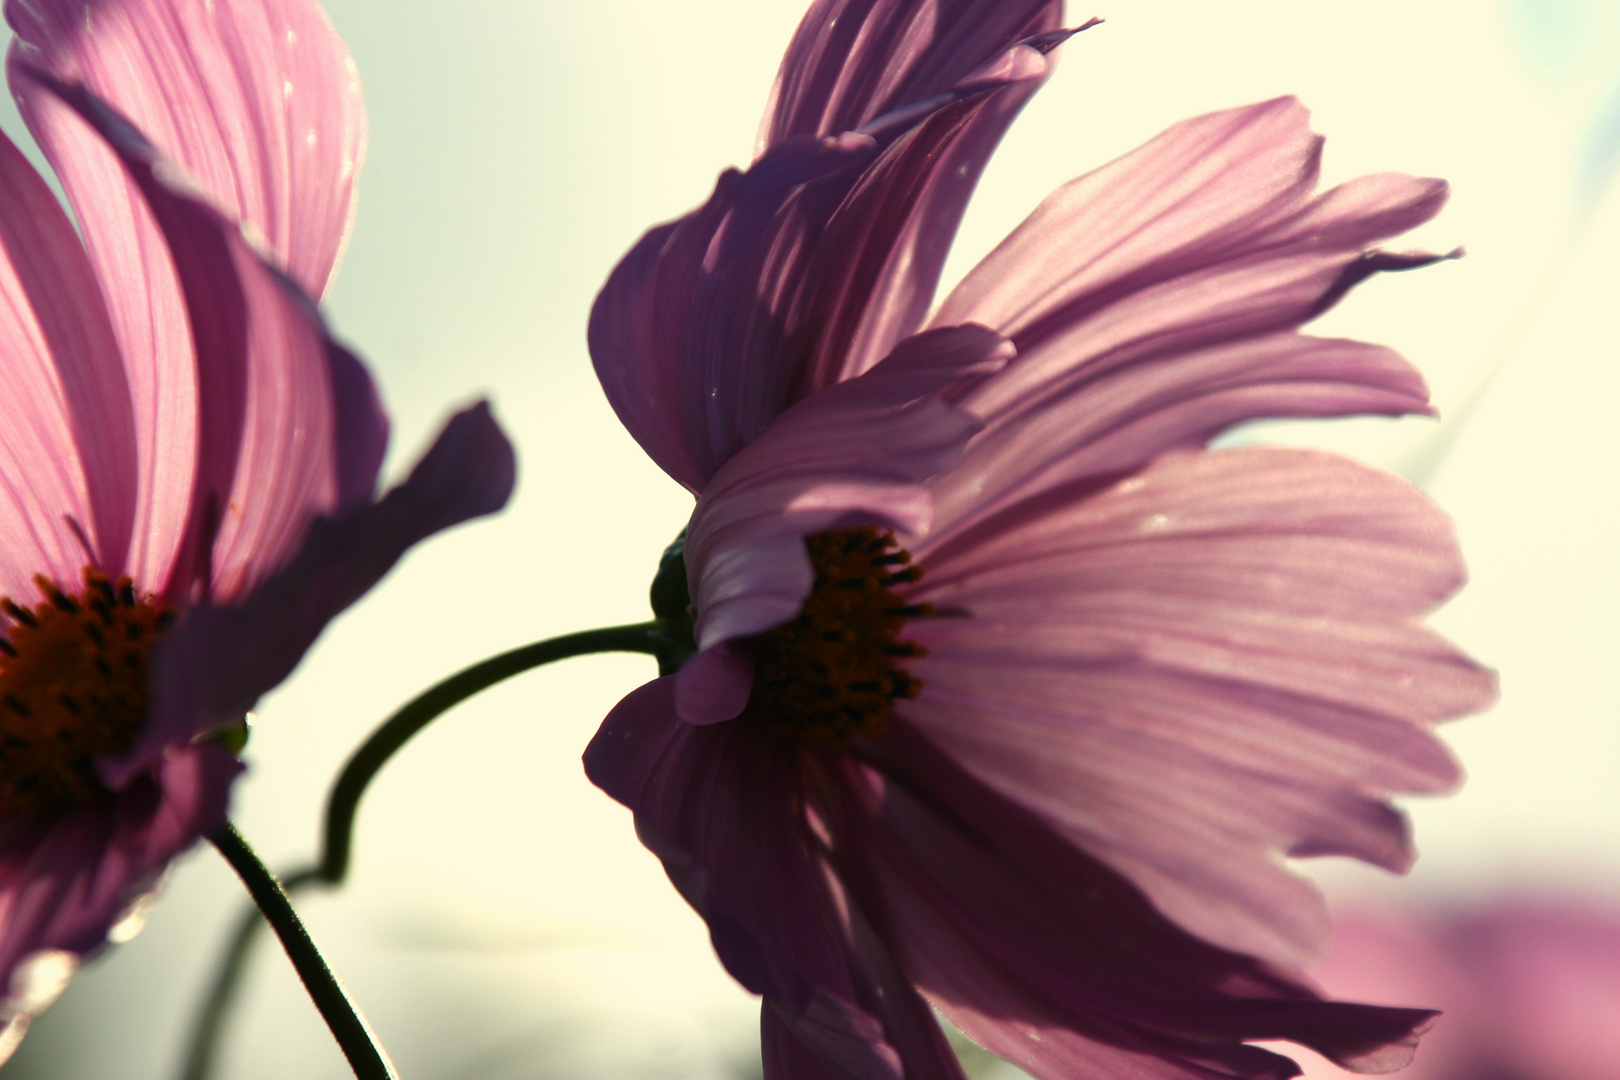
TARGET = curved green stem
x,y
366,1055
344,801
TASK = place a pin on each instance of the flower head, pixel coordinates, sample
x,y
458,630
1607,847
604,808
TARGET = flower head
x,y
1529,981
1009,697
189,467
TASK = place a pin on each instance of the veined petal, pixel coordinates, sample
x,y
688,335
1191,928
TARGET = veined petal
x,y
687,314
1113,421
216,663
1054,958
66,880
1200,190
1157,280
807,268
1203,667
67,447
266,442
710,802
856,453
259,102
137,281
851,61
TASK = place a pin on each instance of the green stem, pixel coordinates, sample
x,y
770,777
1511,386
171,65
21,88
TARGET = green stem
x,y
366,1055
344,801
416,714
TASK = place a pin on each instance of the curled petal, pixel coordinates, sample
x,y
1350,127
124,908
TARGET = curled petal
x,y
708,802
857,453
851,61
215,664
810,266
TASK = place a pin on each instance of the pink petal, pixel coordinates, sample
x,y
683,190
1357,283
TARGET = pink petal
x,y
1201,190
721,806
713,803
1112,422
1529,981
715,684
1201,668
857,453
809,267
215,664
829,1041
277,141
67,448
267,451
1149,282
878,263
851,61
689,359
65,881
1052,958
259,102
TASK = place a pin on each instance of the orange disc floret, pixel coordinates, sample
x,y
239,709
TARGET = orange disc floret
x,y
831,674
72,688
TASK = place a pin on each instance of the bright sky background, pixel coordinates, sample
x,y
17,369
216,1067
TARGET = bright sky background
x,y
502,922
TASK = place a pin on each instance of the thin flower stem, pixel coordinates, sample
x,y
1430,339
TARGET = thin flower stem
x,y
366,1055
344,801
420,711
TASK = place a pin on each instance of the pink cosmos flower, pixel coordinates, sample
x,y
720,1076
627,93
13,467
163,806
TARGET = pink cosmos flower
x,y
1530,983
1009,697
188,468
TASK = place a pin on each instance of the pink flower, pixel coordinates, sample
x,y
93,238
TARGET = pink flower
x,y
188,468
1010,698
1530,983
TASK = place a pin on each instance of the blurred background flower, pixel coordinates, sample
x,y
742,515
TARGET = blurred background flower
x,y
1530,982
502,922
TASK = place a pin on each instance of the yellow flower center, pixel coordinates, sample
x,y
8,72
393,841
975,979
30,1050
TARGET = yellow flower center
x,y
831,675
72,688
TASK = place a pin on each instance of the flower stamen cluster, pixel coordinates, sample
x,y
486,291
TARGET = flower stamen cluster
x,y
72,688
830,675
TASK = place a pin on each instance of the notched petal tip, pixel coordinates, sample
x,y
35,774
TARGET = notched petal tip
x,y
1390,1055
1370,263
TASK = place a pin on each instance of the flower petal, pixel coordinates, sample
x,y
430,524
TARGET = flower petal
x,y
720,806
216,663
1115,421
807,268
1055,960
828,1041
712,803
276,139
66,881
267,446
67,448
856,453
851,61
680,319
1154,276
1201,668
259,102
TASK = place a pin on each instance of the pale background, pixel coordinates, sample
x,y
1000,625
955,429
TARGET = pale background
x,y
502,922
